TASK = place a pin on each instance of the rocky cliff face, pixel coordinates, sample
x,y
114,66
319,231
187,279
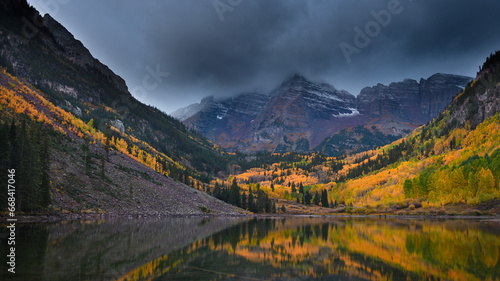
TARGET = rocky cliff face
x,y
479,100
382,100
409,100
295,116
74,51
301,115
225,121
24,32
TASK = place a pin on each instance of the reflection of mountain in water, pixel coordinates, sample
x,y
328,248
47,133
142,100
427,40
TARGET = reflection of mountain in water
x,y
270,249
354,249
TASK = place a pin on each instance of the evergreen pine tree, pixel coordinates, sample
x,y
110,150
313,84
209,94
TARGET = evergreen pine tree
x,y
217,191
324,198
251,202
268,206
14,147
235,194
244,201
34,169
316,199
307,198
261,201
22,172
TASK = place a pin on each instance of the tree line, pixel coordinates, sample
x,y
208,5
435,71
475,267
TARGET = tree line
x,y
25,148
303,195
258,202
393,155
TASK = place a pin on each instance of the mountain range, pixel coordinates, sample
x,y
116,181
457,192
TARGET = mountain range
x,y
80,143
301,115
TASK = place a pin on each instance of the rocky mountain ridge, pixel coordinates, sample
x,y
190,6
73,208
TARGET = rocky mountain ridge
x,y
76,52
42,52
301,115
409,100
480,99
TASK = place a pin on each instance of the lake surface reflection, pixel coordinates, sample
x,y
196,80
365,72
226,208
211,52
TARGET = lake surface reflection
x,y
264,249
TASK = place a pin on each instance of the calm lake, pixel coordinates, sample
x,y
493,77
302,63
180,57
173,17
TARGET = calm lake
x,y
263,249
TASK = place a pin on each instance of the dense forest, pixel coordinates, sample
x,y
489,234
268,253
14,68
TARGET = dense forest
x,y
256,201
25,153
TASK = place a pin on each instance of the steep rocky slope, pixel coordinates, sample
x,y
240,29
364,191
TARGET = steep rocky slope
x,y
129,188
83,180
300,113
45,54
409,100
295,116
227,121
475,106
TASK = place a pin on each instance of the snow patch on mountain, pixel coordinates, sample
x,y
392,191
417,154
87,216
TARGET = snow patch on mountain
x,y
354,112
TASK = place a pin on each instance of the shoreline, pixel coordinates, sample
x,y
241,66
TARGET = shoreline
x,y
57,218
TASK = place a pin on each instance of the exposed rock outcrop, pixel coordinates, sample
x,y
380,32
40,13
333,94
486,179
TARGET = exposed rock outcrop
x,y
409,100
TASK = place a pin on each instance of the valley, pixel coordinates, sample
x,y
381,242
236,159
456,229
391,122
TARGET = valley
x,y
298,162
304,148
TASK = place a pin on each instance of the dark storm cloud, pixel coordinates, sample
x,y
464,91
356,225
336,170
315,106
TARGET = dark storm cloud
x,y
254,44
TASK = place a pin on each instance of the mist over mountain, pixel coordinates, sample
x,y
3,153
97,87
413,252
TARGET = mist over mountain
x,y
300,114
257,44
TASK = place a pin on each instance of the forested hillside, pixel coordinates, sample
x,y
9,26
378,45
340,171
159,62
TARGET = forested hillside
x,y
59,164
453,159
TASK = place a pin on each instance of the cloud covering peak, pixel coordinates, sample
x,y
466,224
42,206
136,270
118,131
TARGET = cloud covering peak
x,y
225,47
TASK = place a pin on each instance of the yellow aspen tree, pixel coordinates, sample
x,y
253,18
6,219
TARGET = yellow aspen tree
x,y
486,182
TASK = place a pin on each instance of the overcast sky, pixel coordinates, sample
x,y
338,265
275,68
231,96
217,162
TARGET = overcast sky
x,y
225,47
